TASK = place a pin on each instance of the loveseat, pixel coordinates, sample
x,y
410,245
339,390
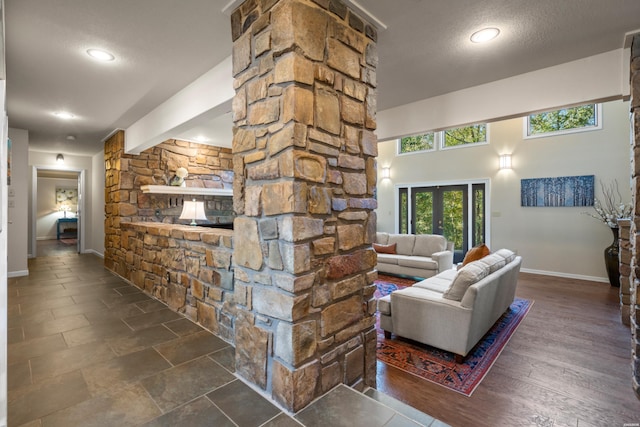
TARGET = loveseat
x,y
421,255
454,309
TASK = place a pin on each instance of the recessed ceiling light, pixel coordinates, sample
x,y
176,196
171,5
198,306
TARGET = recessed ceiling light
x,y
100,55
71,138
65,115
201,138
485,35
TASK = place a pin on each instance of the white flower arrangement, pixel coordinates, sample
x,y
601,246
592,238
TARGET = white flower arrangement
x,y
611,208
182,173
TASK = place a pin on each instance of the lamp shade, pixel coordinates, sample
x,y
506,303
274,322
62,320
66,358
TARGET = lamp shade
x,y
193,210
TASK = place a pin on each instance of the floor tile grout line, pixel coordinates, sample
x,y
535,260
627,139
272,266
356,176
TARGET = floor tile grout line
x,y
218,407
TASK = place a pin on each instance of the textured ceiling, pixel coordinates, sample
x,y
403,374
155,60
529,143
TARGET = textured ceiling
x,y
162,45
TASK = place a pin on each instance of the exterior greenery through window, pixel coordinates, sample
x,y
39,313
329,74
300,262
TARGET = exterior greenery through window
x,y
410,144
465,135
565,119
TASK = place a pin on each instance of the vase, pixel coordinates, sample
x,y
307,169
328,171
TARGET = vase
x,y
611,259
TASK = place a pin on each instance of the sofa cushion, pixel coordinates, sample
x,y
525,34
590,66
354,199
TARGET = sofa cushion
x,y
421,262
494,261
476,253
506,254
384,249
404,243
382,238
434,283
388,259
467,276
427,244
384,305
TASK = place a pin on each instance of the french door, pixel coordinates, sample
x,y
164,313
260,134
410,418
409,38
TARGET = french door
x,y
455,211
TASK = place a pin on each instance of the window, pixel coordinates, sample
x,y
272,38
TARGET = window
x,y
411,144
473,134
565,120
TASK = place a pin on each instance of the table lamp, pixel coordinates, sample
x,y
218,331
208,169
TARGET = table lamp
x,y
193,210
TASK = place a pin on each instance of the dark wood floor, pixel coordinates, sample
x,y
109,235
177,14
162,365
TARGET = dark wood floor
x,y
568,364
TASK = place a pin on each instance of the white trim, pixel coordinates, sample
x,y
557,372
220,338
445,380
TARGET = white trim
x,y
46,238
94,252
19,273
565,275
598,125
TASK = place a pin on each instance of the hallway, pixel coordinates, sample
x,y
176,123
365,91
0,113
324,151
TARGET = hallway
x,y
88,349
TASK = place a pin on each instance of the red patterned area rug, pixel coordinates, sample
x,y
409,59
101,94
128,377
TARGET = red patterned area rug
x,y
439,366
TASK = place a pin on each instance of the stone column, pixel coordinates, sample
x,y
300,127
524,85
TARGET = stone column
x,y
635,224
625,270
305,176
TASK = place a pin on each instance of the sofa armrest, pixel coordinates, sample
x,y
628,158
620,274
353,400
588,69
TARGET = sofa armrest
x,y
444,260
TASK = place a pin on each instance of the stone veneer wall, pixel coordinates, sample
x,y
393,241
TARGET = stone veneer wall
x,y
635,224
305,176
624,258
209,167
188,268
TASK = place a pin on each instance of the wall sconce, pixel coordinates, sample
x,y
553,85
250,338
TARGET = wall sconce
x,y
505,161
386,173
193,210
60,159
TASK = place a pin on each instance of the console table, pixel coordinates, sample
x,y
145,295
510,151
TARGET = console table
x,y
64,221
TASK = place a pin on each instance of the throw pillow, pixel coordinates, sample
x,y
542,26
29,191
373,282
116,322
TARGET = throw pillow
x,y
385,249
476,253
467,276
506,254
494,261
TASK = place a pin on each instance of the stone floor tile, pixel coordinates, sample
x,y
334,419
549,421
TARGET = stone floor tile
x,y
178,385
151,305
78,308
16,319
41,305
226,357
35,347
198,413
282,420
15,335
129,368
18,375
59,362
243,405
34,423
127,289
339,407
35,330
182,327
100,331
128,406
190,347
400,407
117,312
142,321
45,398
116,300
139,340
50,291
401,421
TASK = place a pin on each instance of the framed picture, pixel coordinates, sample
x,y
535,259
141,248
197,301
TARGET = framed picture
x,y
562,191
66,199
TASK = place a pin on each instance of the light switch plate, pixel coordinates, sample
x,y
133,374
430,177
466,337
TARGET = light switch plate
x,y
12,192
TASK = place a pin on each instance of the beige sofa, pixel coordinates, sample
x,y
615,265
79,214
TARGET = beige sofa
x,y
421,255
453,310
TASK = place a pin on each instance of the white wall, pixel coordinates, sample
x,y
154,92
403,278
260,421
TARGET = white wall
x,y
18,199
559,241
47,213
96,213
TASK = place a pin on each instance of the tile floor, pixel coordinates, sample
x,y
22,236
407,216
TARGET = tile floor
x,y
88,349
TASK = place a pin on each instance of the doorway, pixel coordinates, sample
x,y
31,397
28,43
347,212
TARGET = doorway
x,y
455,211
57,208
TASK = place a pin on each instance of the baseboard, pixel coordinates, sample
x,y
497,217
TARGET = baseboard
x,y
18,273
47,238
94,252
566,275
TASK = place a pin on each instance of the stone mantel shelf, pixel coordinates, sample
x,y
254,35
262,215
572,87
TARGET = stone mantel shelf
x,y
169,189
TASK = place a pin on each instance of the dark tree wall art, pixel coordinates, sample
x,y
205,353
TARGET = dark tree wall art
x,y
562,191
